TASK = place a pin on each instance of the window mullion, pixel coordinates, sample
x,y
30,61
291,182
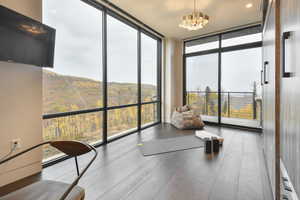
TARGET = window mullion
x,y
104,74
139,79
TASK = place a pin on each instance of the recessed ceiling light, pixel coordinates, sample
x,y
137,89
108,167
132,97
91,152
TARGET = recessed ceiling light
x,y
249,5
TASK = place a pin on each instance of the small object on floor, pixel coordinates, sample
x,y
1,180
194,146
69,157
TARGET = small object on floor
x,y
208,146
285,197
202,134
216,145
139,144
288,188
285,179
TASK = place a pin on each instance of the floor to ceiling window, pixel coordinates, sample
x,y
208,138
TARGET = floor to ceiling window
x,y
222,77
75,82
122,66
241,95
149,80
105,81
122,76
202,85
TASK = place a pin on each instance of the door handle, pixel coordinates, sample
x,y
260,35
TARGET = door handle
x,y
261,77
285,36
266,80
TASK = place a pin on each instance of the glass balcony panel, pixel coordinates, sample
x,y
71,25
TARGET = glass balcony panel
x,y
121,121
83,127
149,114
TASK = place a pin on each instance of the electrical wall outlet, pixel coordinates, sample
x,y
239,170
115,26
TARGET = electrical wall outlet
x,y
16,144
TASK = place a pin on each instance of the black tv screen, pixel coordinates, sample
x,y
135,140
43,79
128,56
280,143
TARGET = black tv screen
x,y
24,40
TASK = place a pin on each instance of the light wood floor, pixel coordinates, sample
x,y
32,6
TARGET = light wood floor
x,y
121,172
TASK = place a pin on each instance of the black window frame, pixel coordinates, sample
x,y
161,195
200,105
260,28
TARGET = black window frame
x,y
105,108
218,50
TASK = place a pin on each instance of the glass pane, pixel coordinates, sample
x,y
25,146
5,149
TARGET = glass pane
x,y
83,127
241,89
242,40
121,121
75,82
202,85
202,44
149,114
121,63
244,36
149,68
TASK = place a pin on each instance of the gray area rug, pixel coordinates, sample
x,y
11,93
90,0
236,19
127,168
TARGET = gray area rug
x,y
154,147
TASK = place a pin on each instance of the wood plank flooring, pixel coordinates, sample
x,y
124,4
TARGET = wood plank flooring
x,y
122,172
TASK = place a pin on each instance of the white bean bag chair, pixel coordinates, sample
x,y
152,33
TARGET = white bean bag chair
x,y
185,118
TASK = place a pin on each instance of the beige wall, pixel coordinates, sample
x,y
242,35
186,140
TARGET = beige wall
x,y
30,8
172,77
21,106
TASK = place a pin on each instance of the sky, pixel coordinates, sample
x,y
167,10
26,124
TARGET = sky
x,y
78,51
78,47
239,70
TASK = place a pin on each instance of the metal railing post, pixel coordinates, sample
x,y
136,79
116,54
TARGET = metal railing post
x,y
188,98
206,105
254,105
228,104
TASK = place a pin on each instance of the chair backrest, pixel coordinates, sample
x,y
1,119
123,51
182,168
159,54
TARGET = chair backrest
x,y
70,148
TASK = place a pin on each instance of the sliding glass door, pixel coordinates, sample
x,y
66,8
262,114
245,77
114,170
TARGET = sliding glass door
x,y
241,88
222,77
202,85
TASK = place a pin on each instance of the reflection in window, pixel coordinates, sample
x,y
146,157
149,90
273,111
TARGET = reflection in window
x,y
75,82
148,68
121,63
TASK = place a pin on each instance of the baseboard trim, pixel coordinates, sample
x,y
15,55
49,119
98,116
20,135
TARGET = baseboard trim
x,y
20,173
268,173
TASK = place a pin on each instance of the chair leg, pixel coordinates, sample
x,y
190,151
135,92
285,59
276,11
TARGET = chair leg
x,y
77,168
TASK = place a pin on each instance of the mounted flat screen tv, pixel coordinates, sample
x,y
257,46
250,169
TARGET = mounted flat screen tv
x,y
24,40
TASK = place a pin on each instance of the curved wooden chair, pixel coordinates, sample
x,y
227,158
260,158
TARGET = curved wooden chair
x,y
54,190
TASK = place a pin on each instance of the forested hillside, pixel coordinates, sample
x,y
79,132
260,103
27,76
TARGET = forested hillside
x,y
68,93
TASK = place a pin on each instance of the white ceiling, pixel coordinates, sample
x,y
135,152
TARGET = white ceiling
x,y
165,15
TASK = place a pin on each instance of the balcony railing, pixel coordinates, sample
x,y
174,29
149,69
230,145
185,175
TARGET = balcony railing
x,y
241,105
